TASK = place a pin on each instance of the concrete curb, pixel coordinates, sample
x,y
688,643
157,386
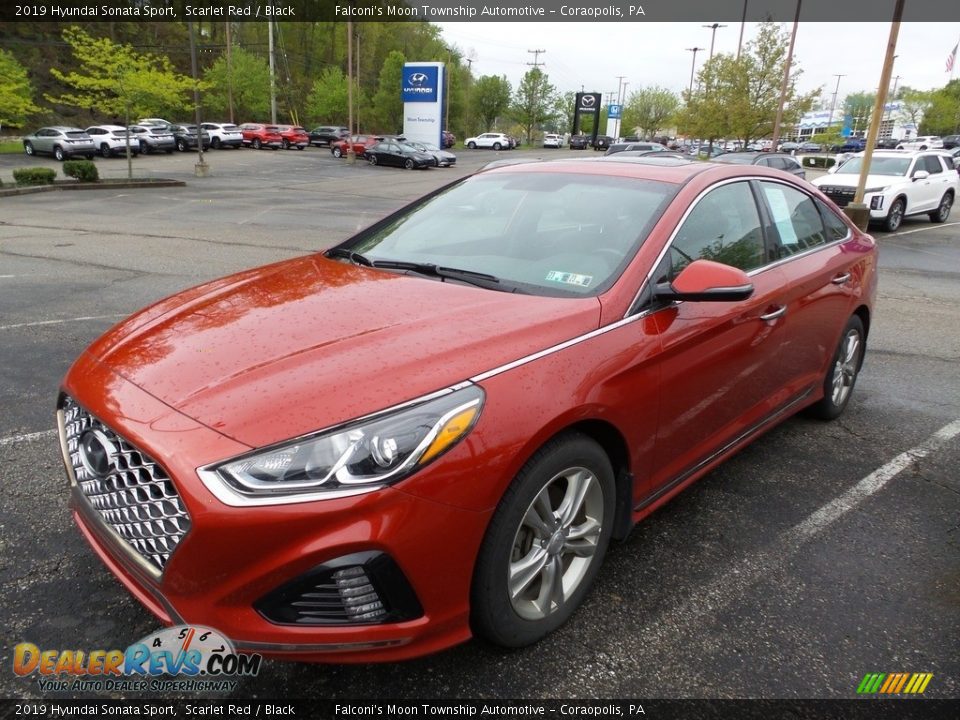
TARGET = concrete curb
x,y
101,185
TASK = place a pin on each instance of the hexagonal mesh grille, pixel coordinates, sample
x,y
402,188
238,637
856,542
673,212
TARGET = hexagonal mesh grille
x,y
136,497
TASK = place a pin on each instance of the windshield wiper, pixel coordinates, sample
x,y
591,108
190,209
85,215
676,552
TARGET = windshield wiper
x,y
469,276
351,255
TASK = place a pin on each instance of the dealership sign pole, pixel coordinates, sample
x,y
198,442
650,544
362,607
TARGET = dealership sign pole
x,y
424,99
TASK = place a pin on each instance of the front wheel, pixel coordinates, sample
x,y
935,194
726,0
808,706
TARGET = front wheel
x,y
256,143
497,146
842,373
895,216
286,144
215,143
472,145
943,209
372,159
28,148
337,152
408,164
545,544
181,145
144,148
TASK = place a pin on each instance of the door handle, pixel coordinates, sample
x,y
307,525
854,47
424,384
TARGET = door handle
x,y
841,279
773,315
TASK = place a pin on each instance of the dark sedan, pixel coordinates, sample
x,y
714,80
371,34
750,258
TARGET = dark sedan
x,y
578,142
390,152
777,161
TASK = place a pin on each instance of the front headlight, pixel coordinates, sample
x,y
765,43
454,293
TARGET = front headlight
x,y
874,190
354,458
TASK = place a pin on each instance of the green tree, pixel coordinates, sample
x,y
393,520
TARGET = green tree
x,y
116,80
649,108
916,103
534,102
327,102
489,99
387,107
246,80
738,97
943,115
16,92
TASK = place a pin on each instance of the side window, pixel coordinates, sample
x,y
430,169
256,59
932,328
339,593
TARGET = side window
x,y
795,218
932,164
724,227
836,228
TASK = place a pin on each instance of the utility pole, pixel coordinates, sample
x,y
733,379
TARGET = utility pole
x,y
786,79
229,74
535,114
693,66
273,81
833,105
351,155
201,169
713,36
743,23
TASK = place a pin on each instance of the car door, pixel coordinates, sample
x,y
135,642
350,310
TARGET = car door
x,y
936,184
45,140
825,269
721,371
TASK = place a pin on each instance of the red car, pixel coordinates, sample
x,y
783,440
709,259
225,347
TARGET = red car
x,y
360,143
435,429
293,136
258,135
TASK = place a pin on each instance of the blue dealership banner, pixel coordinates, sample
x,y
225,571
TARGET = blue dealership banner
x,y
420,83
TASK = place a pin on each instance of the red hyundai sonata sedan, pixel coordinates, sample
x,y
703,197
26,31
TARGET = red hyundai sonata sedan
x,y
435,429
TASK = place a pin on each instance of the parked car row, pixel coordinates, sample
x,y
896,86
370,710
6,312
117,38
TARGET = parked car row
x,y
393,150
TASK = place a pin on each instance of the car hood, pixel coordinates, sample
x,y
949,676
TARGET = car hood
x,y
851,180
290,348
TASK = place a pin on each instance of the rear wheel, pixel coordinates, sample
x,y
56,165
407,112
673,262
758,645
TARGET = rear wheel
x,y
144,148
545,543
842,373
286,144
215,143
943,209
59,154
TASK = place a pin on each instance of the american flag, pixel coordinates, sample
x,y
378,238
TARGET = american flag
x,y
952,57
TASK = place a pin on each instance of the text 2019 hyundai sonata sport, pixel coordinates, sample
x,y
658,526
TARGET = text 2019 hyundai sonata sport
x,y
434,429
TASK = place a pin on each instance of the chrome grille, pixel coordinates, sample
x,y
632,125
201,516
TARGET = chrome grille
x,y
842,196
135,497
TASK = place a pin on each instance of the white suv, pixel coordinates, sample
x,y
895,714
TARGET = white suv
x,y
497,141
223,134
112,140
900,183
922,142
552,141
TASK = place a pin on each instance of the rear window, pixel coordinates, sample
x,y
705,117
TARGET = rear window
x,y
230,128
76,134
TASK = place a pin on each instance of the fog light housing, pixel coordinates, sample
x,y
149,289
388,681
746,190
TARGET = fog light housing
x,y
359,589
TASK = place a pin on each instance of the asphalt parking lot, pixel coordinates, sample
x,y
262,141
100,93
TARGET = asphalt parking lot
x,y
819,554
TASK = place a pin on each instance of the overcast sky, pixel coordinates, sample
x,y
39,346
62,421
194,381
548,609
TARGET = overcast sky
x,y
593,54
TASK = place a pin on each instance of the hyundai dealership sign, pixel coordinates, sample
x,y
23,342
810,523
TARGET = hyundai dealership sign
x,y
424,102
420,83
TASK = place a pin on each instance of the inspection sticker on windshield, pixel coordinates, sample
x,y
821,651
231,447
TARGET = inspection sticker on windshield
x,y
569,278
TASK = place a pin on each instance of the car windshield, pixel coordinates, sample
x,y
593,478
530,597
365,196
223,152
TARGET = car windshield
x,y
427,147
878,166
544,233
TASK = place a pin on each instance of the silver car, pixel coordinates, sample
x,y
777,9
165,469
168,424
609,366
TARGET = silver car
x,y
112,140
60,141
441,158
223,134
153,138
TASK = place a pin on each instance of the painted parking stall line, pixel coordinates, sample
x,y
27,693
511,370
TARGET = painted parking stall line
x,y
27,437
921,229
60,322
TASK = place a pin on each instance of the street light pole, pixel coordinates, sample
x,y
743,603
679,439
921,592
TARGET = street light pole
x,y
693,66
833,105
786,79
743,23
713,35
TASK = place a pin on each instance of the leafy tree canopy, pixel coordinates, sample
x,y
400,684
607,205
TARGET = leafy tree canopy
x,y
246,78
16,92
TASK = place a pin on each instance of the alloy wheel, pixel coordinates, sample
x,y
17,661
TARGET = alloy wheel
x,y
845,368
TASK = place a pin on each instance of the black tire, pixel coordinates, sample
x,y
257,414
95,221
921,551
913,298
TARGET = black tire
x,y
90,156
337,152
105,150
943,209
215,143
144,148
842,373
256,143
372,159
408,164
59,154
895,215
181,145
168,151
28,148
285,143
436,162
497,146
511,539
472,145
300,147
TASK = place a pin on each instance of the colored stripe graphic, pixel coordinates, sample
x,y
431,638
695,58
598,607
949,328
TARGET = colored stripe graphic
x,y
894,683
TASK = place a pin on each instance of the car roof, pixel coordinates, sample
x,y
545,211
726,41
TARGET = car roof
x,y
671,170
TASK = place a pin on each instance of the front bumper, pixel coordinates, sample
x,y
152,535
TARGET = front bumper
x,y
231,557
